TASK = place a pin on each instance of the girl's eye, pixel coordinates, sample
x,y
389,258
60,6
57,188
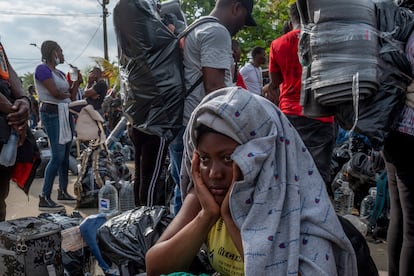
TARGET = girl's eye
x,y
203,158
227,158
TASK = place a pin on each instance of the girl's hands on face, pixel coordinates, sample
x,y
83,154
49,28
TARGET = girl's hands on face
x,y
207,201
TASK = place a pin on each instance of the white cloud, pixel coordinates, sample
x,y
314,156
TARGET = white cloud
x,y
23,22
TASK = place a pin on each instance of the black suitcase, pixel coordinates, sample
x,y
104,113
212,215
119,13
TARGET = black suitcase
x,y
30,246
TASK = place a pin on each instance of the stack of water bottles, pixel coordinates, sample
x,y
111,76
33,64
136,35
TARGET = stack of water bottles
x,y
112,202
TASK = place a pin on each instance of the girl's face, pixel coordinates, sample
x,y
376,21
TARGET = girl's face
x,y
216,166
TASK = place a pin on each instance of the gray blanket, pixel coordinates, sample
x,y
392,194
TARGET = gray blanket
x,y
287,222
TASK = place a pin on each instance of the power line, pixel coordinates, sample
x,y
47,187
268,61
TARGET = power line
x,y
22,59
87,45
51,14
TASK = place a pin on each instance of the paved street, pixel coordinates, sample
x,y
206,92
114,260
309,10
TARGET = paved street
x,y
19,205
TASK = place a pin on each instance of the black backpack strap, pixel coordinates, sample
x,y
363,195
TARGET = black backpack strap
x,y
194,86
184,33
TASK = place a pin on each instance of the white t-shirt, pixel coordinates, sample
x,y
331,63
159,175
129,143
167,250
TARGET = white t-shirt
x,y
252,77
208,45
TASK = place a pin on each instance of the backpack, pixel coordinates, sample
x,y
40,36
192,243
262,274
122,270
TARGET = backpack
x,y
151,66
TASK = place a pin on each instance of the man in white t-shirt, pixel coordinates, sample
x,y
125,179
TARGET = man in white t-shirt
x,y
208,54
252,72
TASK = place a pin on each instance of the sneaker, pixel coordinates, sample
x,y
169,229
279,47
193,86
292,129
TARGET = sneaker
x,y
64,196
47,204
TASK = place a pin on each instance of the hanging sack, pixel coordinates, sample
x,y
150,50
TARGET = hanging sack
x,y
96,167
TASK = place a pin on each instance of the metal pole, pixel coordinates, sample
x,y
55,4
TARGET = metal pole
x,y
105,36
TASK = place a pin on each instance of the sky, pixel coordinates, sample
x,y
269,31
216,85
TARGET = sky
x,y
76,25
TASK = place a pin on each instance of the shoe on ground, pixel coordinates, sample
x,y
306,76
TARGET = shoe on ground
x,y
64,196
48,205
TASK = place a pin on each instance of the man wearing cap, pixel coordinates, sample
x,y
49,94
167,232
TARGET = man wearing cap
x,y
208,53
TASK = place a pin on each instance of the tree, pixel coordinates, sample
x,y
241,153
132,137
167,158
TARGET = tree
x,y
27,80
269,15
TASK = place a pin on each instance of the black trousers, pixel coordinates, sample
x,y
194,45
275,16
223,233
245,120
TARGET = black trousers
x,y
399,154
150,154
5,175
319,138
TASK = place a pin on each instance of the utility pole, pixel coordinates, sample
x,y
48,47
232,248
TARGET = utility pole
x,y
105,36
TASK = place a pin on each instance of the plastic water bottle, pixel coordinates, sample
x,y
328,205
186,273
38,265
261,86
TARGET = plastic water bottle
x,y
9,151
126,196
367,204
343,199
108,199
116,133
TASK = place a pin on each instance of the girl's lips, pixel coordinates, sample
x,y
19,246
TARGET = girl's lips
x,y
218,192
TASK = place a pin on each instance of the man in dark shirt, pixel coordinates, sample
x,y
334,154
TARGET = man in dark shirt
x,y
96,89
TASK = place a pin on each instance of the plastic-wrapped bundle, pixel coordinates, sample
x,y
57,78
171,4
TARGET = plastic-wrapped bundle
x,y
339,50
356,11
126,238
378,114
151,68
323,90
341,38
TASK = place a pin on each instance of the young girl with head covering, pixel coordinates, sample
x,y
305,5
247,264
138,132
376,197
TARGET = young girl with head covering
x,y
253,195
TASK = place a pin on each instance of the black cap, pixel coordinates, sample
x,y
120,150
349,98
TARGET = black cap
x,y
248,4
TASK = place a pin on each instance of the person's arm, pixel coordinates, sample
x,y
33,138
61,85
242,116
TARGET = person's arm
x,y
90,93
187,232
273,91
5,104
213,79
50,85
216,56
182,238
20,112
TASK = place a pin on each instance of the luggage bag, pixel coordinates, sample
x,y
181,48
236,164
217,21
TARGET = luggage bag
x,y
30,246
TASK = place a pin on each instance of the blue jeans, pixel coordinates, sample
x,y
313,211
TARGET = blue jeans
x,y
59,162
176,150
89,228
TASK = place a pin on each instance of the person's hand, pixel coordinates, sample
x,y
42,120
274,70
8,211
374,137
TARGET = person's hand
x,y
19,116
271,95
225,209
207,201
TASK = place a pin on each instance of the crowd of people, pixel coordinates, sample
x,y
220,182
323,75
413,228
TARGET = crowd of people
x,y
251,172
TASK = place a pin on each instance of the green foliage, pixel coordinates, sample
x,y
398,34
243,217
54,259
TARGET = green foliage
x,y
27,80
269,15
